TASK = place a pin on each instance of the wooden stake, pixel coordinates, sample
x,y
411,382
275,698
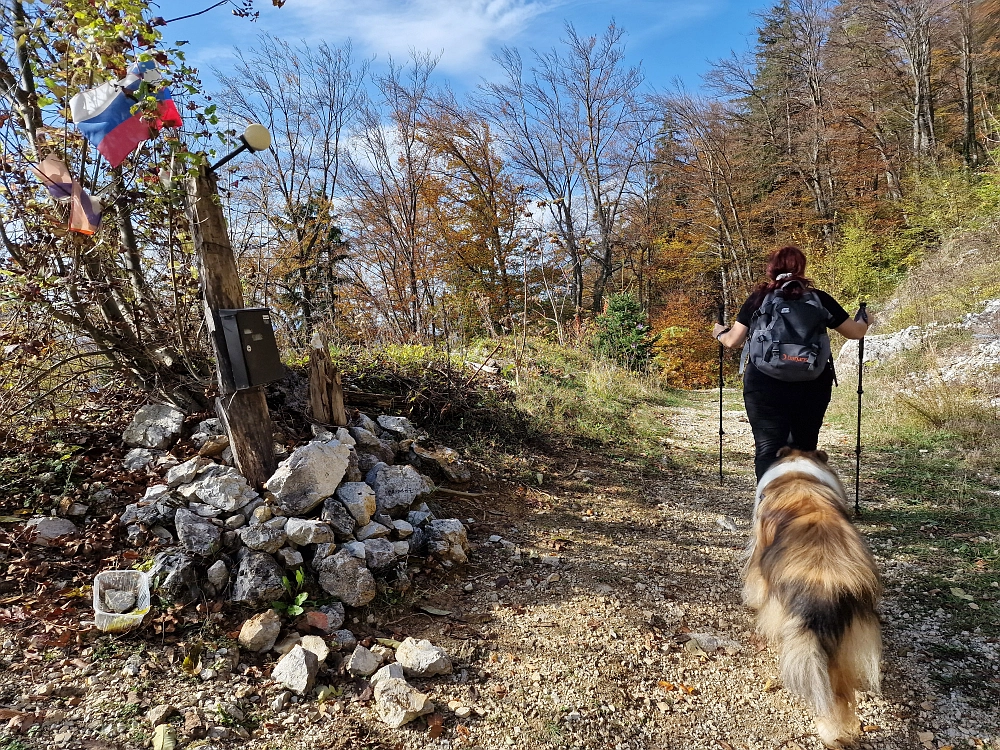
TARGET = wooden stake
x,y
326,392
243,413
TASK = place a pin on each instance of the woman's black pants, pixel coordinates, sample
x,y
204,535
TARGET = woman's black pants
x,y
792,417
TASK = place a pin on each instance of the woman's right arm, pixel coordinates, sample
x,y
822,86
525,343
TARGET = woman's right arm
x,y
854,329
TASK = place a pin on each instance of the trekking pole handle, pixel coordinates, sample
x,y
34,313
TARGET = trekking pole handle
x,y
862,312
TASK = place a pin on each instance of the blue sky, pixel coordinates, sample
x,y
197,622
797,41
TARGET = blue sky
x,y
673,39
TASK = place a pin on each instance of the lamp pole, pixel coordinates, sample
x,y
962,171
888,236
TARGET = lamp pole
x,y
243,413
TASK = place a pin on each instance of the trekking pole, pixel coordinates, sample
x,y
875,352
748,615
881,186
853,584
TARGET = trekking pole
x,y
722,354
862,315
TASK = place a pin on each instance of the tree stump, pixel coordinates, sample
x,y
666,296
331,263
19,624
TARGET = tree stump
x,y
326,392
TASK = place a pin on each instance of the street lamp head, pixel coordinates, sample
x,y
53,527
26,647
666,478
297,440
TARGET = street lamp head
x,y
256,137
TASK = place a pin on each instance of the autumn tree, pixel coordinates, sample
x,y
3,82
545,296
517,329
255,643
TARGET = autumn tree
x,y
307,97
119,302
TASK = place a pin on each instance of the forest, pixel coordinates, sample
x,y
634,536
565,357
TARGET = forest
x,y
390,211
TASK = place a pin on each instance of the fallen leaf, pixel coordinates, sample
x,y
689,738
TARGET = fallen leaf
x,y
165,737
435,611
435,726
388,642
872,728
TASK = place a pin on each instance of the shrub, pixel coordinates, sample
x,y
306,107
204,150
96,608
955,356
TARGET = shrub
x,y
623,333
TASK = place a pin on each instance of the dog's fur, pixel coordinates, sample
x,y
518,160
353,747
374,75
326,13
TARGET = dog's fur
x,y
814,584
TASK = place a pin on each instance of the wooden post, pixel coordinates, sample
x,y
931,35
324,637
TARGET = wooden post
x,y
243,413
326,392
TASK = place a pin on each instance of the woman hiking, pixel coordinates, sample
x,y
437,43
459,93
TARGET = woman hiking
x,y
788,376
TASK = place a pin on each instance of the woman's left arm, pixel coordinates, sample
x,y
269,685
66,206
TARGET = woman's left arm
x,y
732,338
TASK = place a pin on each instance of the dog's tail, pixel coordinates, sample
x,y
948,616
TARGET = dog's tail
x,y
827,669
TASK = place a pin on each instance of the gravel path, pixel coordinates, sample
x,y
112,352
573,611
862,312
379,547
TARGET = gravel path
x,y
601,610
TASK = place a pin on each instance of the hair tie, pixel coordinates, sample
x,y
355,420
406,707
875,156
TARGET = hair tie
x,y
783,276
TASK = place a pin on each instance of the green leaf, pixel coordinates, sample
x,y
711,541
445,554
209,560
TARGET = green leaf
x,y
300,577
286,584
300,598
295,610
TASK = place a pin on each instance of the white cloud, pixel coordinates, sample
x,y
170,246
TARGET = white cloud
x,y
466,32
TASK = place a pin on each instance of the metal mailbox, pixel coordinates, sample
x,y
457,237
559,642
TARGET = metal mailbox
x,y
253,352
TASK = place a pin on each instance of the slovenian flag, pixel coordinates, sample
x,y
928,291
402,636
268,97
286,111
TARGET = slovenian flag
x,y
84,209
104,115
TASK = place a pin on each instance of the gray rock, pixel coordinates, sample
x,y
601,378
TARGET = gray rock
x,y
447,539
119,601
45,530
347,578
356,548
186,472
340,520
258,580
396,487
309,476
210,426
372,530
143,512
359,500
422,658
344,640
392,670
278,522
221,487
362,662
365,422
317,645
261,631
397,703
138,459
418,542
296,670
401,548
203,510
417,518
402,528
154,426
218,574
159,714
379,554
237,521
385,519
400,427
196,535
287,643
441,459
353,473
334,615
322,551
302,531
367,462
174,576
290,558
102,497
263,538
364,440
136,535
162,533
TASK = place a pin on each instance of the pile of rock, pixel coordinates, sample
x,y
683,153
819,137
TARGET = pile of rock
x,y
340,504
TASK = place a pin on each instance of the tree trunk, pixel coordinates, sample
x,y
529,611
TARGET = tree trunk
x,y
326,393
243,413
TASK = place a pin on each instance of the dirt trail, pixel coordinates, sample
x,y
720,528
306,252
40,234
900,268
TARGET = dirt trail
x,y
647,558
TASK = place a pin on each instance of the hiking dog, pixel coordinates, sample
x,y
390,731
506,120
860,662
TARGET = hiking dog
x,y
814,584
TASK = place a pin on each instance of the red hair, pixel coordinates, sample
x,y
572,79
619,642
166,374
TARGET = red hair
x,y
789,260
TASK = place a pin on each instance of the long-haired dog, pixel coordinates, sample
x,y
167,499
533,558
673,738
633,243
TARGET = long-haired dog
x,y
814,584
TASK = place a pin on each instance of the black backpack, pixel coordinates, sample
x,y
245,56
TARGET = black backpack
x,y
788,339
